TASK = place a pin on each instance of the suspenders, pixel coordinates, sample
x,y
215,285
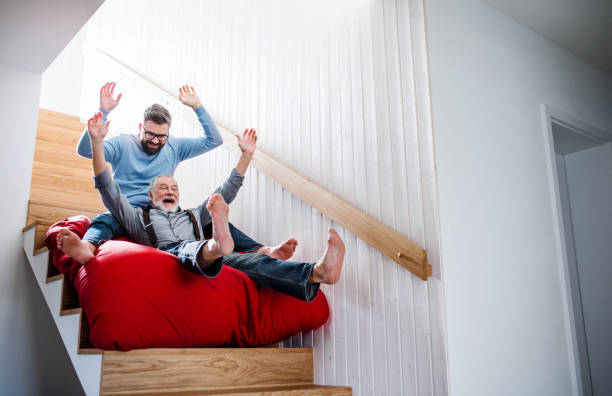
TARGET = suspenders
x,y
151,231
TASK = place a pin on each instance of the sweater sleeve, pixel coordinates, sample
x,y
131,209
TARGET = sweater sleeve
x,y
191,147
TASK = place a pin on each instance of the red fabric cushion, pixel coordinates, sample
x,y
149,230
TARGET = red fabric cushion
x,y
135,296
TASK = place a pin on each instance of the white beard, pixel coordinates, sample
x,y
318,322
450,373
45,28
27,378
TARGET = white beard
x,y
159,204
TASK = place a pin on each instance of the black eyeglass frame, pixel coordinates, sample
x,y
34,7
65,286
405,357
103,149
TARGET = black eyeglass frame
x,y
160,137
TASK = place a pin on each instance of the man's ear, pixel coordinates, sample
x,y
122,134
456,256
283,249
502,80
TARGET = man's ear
x,y
150,196
140,129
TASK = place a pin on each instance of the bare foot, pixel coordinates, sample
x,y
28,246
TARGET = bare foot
x,y
328,268
284,251
221,242
70,243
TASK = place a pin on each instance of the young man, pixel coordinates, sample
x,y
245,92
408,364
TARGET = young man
x,y
136,159
178,232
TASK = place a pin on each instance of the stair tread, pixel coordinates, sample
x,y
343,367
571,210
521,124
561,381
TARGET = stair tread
x,y
276,390
186,369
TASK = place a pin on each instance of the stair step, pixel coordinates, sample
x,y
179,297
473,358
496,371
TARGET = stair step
x,y
306,390
50,117
85,347
51,113
212,369
47,213
70,299
60,197
53,273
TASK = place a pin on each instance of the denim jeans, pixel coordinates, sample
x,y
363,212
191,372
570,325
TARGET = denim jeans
x,y
284,276
188,252
102,228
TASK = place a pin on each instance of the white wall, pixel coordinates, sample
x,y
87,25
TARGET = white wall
x,y
33,360
338,91
61,85
506,323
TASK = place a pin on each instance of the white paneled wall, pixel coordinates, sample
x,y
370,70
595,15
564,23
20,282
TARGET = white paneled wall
x,y
337,91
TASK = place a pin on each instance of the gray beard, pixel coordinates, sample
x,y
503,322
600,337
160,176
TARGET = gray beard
x,y
159,205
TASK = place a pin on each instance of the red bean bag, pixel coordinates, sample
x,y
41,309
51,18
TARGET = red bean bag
x,y
135,296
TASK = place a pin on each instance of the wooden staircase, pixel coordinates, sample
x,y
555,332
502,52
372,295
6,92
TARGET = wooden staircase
x,y
62,186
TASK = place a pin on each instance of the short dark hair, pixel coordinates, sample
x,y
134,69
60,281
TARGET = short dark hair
x,y
158,114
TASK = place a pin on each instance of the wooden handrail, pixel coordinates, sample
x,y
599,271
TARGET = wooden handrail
x,y
392,244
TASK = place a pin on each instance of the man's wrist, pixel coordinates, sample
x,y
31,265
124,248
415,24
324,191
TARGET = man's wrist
x,y
247,156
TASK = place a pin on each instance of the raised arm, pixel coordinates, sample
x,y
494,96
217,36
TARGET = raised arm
x,y
107,104
115,202
229,189
247,143
97,130
191,147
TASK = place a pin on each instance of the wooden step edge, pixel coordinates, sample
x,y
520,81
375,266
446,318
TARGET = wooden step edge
x,y
40,250
264,390
71,311
64,123
30,225
54,278
63,206
53,113
90,351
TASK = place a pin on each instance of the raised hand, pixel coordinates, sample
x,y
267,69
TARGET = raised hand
x,y
247,141
189,97
106,96
96,128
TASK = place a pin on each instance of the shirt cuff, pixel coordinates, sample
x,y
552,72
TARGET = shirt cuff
x,y
103,179
236,177
200,111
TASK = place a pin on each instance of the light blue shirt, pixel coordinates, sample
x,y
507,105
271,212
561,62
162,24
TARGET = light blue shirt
x,y
133,169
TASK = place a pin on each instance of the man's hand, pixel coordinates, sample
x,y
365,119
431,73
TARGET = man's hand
x,y
188,97
106,96
96,129
247,142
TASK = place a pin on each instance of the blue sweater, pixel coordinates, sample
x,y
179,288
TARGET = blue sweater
x,y
133,169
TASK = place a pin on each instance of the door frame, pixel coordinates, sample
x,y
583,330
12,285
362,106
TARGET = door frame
x,y
574,321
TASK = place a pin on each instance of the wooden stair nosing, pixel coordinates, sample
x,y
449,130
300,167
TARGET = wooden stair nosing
x,y
40,250
53,113
62,206
290,390
29,225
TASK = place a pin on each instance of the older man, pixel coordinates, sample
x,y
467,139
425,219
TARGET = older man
x,y
177,231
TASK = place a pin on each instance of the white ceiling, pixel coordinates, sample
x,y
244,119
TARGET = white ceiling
x,y
34,32
583,27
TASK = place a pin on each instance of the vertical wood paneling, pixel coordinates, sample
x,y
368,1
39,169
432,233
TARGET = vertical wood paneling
x,y
338,91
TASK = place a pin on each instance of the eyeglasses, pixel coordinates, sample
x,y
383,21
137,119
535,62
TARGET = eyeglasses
x,y
161,137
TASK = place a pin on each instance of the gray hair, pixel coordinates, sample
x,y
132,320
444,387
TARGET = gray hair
x,y
158,114
154,181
